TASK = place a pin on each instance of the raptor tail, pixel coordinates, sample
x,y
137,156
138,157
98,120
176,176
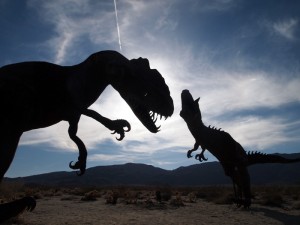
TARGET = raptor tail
x,y
258,158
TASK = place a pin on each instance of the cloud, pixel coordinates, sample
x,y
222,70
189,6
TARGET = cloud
x,y
73,20
223,90
256,133
214,5
286,28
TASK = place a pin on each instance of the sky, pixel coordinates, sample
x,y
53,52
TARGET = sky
x,y
242,58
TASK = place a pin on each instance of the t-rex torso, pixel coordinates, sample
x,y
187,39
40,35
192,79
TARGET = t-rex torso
x,y
51,93
39,94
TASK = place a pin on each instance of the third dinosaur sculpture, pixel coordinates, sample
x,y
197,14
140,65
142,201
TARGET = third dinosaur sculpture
x,y
39,94
230,153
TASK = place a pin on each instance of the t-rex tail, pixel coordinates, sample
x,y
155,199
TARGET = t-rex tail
x,y
12,209
258,157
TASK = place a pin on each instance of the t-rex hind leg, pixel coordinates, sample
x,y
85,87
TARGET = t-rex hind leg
x,y
241,184
8,145
242,179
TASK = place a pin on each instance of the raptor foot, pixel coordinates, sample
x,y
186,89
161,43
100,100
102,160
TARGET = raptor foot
x,y
118,127
81,165
200,157
189,153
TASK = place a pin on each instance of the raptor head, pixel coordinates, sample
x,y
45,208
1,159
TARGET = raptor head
x,y
145,91
189,107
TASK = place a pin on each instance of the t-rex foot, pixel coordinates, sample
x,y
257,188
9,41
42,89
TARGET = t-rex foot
x,y
246,203
200,157
12,209
80,164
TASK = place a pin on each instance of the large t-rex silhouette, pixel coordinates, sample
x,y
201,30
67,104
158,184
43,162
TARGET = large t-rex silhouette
x,y
39,94
233,158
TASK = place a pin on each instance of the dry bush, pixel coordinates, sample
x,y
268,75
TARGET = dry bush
x,y
177,201
192,197
216,194
277,196
10,190
112,197
164,194
68,198
296,205
91,196
78,191
131,197
272,199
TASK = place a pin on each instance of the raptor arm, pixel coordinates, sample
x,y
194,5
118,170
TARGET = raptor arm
x,y
117,126
200,156
189,152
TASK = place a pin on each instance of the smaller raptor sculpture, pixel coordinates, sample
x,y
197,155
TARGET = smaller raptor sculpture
x,y
233,158
35,95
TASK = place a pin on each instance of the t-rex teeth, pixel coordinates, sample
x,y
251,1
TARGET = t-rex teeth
x,y
155,117
158,128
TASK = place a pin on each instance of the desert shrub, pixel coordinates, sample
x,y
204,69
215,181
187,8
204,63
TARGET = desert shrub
x,y
112,197
272,199
78,191
68,198
164,195
10,190
216,194
177,201
192,197
91,196
296,205
276,195
224,199
131,197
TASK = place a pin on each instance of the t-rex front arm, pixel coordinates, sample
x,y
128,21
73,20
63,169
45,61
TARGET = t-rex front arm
x,y
117,126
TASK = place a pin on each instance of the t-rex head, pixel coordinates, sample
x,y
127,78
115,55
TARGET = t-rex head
x,y
189,107
145,91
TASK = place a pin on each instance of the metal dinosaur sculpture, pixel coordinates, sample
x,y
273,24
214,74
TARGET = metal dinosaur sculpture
x,y
231,155
39,94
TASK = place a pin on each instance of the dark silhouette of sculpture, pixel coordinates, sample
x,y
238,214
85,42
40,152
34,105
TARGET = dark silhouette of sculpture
x,y
39,94
233,158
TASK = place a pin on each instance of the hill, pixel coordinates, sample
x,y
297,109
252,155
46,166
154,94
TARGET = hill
x,y
210,173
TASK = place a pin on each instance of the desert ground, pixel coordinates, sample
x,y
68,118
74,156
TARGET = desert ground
x,y
209,205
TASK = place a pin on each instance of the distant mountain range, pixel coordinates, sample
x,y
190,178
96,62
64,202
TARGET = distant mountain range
x,y
210,173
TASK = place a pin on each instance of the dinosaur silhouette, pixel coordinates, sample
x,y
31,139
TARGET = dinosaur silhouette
x,y
39,94
233,158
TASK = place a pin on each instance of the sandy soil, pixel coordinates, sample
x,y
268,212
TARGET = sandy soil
x,y
55,211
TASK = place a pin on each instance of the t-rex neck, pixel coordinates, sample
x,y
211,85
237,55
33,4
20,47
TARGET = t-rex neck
x,y
88,79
